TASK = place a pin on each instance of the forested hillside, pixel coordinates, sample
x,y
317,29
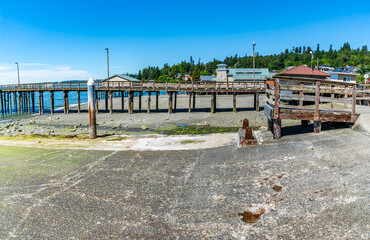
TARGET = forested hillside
x,y
296,56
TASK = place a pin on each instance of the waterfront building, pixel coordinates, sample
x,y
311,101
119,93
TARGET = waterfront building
x,y
225,74
121,78
304,72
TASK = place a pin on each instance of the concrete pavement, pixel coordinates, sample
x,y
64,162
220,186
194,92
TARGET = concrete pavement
x,y
305,186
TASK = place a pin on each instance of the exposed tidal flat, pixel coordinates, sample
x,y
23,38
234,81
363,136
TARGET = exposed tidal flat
x,y
199,121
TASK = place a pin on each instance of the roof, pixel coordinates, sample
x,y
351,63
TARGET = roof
x,y
304,71
207,78
345,73
126,77
247,73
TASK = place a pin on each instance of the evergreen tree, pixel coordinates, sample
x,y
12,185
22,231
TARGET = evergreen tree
x,y
196,74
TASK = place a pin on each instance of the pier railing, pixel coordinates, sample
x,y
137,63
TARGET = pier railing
x,y
252,86
363,94
309,99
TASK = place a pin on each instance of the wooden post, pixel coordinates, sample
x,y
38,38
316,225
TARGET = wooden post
x,y
33,102
140,95
277,128
51,102
110,102
20,101
149,100
41,103
277,99
106,100
91,108
131,102
65,101
169,102
10,103
213,102
175,103
353,115
1,102
29,102
332,97
257,101
301,96
156,101
15,101
270,126
317,122
346,96
190,101
234,102
122,101
194,100
79,102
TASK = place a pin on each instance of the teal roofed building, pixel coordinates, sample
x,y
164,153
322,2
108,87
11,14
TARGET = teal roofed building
x,y
225,74
121,78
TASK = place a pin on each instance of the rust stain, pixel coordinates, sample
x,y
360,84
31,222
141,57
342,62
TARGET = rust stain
x,y
277,188
250,217
279,200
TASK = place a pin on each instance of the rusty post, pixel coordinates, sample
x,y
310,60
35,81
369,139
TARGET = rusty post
x,y
91,107
247,138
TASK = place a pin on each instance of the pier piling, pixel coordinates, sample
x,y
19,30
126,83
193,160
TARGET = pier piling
x,y
51,102
149,100
91,108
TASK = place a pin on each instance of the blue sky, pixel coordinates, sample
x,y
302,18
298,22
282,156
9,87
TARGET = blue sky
x,y
60,40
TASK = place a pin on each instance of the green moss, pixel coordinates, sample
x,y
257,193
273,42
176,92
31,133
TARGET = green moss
x,y
191,141
197,130
31,165
116,139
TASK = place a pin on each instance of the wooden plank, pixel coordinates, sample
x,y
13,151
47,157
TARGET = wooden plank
x,y
317,101
277,98
353,103
304,115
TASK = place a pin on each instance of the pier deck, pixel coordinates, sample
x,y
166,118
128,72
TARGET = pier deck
x,y
21,98
307,100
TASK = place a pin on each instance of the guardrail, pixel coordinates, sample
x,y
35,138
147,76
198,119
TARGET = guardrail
x,y
258,85
306,99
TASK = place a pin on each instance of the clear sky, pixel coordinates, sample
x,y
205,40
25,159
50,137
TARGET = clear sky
x,y
61,40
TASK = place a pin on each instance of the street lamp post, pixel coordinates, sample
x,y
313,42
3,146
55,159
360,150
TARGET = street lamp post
x,y
254,64
19,81
107,63
109,92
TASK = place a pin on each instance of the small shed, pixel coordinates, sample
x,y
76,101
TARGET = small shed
x,y
121,78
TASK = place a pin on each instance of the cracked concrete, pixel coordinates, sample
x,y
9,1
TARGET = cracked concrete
x,y
95,194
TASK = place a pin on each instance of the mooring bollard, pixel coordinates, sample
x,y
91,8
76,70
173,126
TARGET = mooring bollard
x,y
91,106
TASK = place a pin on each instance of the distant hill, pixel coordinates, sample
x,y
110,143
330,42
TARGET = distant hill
x,y
296,56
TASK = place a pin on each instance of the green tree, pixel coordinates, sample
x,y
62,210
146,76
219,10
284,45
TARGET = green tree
x,y
196,74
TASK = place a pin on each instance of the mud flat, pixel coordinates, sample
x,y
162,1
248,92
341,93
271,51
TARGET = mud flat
x,y
141,122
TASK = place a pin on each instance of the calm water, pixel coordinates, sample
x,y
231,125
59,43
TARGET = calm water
x,y
58,102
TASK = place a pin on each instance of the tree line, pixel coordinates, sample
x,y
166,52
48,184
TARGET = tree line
x,y
359,57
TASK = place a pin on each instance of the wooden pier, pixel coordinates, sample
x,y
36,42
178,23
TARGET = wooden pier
x,y
22,96
308,99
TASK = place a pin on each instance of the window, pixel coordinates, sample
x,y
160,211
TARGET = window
x,y
346,79
222,76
